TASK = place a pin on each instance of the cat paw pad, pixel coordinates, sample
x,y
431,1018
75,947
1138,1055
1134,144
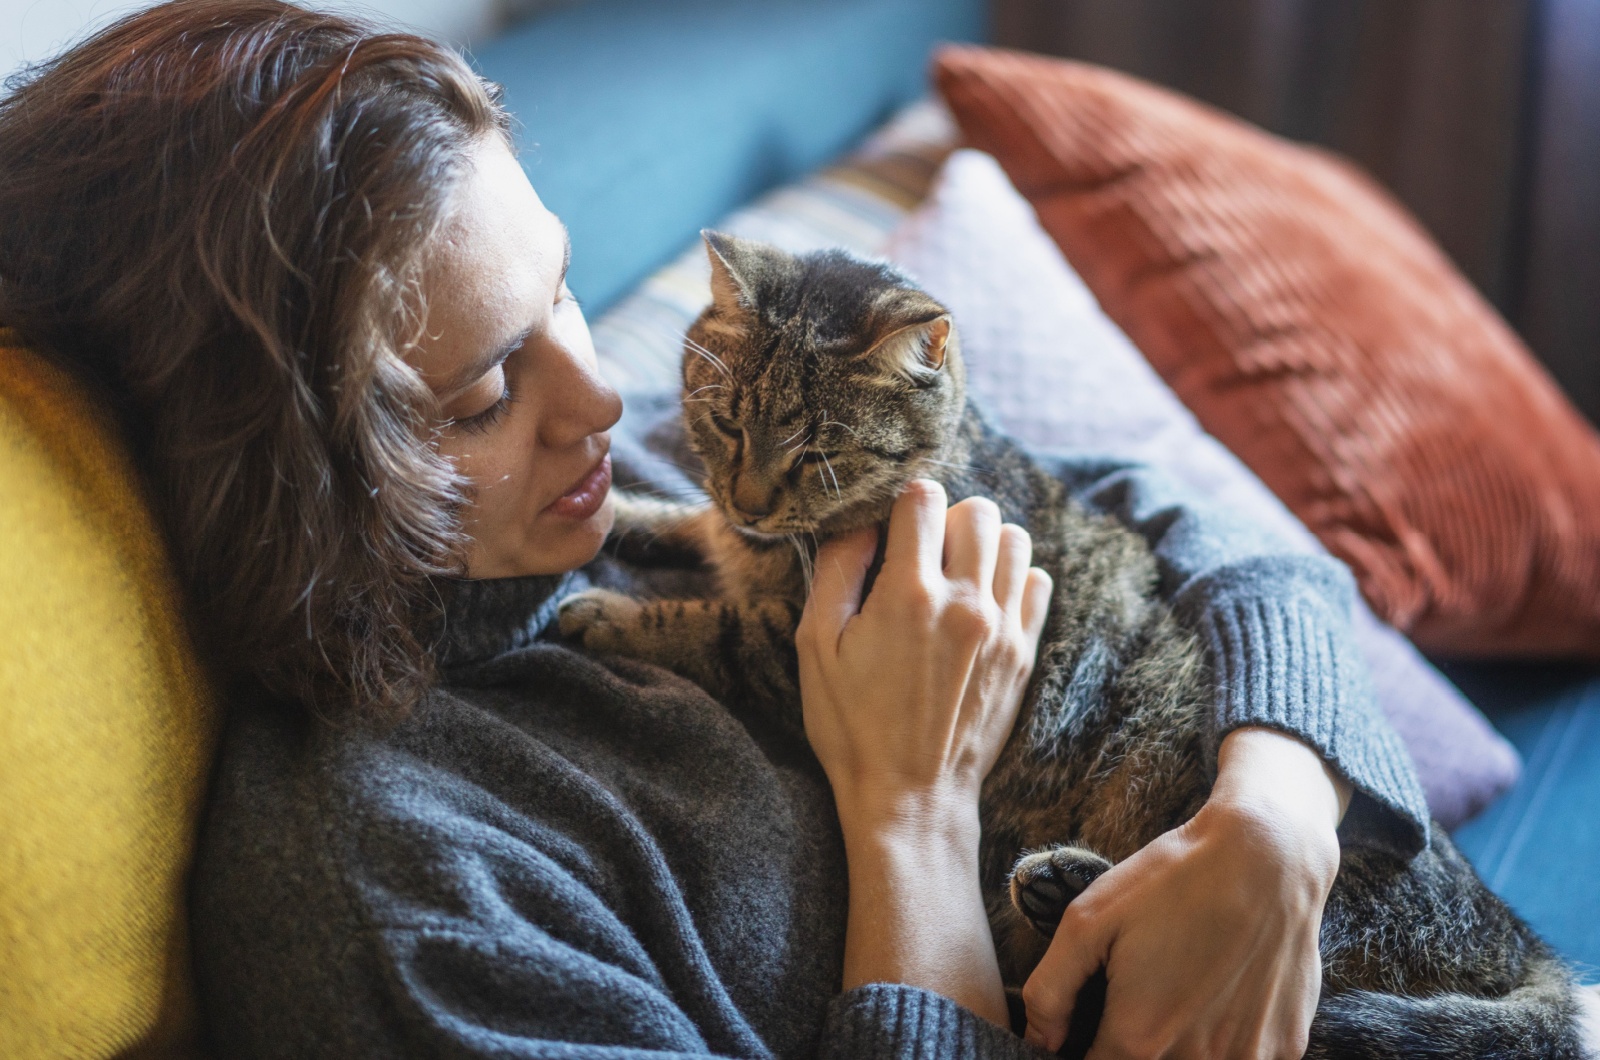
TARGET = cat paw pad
x,y
598,618
1045,882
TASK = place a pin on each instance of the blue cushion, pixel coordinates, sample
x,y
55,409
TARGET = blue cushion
x,y
642,121
1539,845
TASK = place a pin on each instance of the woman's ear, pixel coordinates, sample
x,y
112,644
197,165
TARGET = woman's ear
x,y
916,351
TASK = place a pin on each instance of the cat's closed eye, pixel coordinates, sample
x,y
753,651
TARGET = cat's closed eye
x,y
724,424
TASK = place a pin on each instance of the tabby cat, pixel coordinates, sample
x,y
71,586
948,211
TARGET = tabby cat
x,y
815,387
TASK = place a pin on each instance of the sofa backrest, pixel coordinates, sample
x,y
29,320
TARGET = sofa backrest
x,y
641,122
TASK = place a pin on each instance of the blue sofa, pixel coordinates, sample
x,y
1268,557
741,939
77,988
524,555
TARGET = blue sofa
x,y
644,120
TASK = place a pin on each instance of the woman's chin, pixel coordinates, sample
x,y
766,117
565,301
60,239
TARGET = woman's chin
x,y
557,544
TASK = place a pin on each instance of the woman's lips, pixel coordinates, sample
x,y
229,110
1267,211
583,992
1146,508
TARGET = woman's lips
x,y
584,499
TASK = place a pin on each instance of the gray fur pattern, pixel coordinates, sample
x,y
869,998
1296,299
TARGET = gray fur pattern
x,y
815,387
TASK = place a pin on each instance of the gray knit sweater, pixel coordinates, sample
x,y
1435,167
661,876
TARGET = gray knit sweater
x,y
566,856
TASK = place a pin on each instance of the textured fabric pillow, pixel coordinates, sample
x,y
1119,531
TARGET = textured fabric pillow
x,y
1029,327
1318,332
105,739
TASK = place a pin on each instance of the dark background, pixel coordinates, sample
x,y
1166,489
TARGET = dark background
x,y
1483,116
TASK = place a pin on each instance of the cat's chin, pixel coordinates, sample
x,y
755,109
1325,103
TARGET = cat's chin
x,y
830,525
764,535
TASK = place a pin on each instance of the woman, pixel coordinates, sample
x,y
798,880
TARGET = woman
x,y
301,259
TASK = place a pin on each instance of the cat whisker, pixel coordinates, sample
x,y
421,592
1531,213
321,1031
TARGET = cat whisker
x,y
812,568
712,359
838,494
806,560
716,362
846,426
689,497
687,341
974,468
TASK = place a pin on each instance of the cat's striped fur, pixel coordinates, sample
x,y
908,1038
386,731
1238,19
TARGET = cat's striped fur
x,y
814,388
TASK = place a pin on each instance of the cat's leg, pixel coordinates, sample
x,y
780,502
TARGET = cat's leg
x,y
1044,882
648,527
734,650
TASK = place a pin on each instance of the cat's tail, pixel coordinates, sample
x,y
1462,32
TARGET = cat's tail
x,y
1541,1019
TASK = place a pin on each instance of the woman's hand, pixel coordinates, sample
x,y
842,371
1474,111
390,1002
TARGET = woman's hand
x,y
1208,935
912,693
909,697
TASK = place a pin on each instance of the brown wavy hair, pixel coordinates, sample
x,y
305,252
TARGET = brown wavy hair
x,y
215,211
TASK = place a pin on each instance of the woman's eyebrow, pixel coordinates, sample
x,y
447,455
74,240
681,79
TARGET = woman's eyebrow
x,y
488,363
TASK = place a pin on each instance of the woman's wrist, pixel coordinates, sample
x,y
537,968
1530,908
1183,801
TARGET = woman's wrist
x,y
1283,796
1257,764
880,816
916,907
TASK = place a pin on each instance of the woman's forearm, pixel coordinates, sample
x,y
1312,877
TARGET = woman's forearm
x,y
916,910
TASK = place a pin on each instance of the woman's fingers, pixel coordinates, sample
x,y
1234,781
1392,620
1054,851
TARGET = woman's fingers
x,y
1051,992
972,542
1036,602
1011,567
841,571
915,544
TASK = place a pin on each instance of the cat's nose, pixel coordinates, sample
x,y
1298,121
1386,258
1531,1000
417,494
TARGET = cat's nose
x,y
752,514
750,499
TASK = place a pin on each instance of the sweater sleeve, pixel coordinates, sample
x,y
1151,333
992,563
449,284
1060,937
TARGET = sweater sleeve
x,y
557,1001
1276,622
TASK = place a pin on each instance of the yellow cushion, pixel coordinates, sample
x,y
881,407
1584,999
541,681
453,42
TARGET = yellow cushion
x,y
106,735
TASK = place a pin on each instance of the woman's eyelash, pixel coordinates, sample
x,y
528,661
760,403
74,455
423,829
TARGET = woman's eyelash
x,y
482,421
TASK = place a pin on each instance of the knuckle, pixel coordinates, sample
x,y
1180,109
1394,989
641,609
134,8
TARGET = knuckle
x,y
924,491
982,508
918,602
1075,919
969,617
1138,1044
1043,1004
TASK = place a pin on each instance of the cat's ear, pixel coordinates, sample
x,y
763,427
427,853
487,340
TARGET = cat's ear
x,y
915,352
732,259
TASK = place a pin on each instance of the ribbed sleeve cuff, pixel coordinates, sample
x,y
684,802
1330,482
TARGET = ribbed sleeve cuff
x,y
882,1020
1286,662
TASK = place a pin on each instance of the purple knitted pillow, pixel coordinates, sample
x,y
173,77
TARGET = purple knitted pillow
x,y
1055,371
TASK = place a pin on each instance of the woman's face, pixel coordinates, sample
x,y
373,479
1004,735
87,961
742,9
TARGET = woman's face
x,y
508,353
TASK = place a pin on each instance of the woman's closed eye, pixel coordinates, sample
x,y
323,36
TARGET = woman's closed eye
x,y
479,422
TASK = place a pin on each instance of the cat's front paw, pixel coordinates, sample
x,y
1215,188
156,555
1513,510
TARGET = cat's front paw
x,y
599,619
1045,882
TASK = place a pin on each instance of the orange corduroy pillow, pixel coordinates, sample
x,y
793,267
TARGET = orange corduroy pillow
x,y
1313,327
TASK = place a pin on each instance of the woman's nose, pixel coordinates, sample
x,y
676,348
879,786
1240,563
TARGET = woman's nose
x,y
580,403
